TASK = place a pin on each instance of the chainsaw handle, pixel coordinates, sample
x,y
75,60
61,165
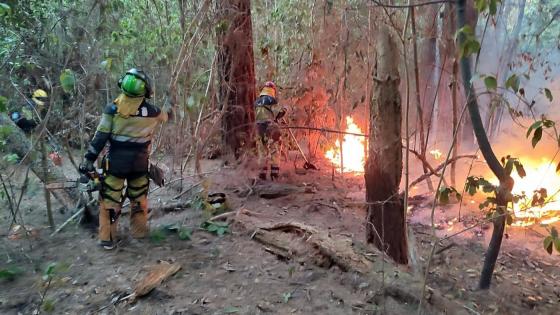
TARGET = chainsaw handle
x,y
84,179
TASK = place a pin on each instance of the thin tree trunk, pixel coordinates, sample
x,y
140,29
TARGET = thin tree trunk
x,y
386,217
182,17
236,73
419,110
45,166
455,119
439,65
506,182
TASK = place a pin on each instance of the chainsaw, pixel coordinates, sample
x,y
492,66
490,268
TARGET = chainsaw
x,y
86,183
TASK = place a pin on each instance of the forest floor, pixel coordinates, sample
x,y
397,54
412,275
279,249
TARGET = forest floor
x,y
235,274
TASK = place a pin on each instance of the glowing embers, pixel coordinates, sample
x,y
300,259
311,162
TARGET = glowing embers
x,y
540,206
436,153
353,149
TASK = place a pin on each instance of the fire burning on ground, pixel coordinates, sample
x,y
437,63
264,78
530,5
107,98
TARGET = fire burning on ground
x,y
540,174
353,149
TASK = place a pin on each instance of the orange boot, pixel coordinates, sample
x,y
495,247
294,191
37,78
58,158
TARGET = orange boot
x,y
139,218
108,223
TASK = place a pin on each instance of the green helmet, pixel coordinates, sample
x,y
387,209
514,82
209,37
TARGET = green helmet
x,y
135,83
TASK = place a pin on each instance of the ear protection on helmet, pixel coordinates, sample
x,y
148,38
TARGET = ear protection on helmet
x,y
142,76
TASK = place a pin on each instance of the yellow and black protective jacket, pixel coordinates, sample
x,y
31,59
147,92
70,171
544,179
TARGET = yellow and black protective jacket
x,y
266,107
129,138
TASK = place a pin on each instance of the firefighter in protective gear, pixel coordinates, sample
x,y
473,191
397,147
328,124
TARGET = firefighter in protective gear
x,y
267,112
25,118
128,125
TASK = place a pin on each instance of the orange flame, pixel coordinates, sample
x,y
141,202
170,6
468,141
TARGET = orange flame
x,y
352,149
540,174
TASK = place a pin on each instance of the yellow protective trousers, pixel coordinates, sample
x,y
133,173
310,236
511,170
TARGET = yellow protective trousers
x,y
111,198
268,148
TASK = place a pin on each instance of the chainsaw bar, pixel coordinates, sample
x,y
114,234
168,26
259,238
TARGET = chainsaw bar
x,y
62,185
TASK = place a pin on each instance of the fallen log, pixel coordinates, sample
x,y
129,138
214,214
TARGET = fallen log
x,y
337,250
156,275
171,207
302,242
272,190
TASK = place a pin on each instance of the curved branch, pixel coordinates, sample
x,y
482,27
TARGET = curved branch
x,y
439,168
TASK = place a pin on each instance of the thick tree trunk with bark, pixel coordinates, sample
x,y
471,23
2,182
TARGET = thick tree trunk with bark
x,y
18,143
386,218
236,73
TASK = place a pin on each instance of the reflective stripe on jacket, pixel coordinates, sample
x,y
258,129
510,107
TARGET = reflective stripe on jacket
x,y
129,138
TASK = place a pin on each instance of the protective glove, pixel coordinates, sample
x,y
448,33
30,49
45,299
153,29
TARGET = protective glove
x,y
280,114
86,167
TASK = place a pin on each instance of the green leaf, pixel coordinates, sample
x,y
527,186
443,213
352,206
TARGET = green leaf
x,y
465,30
520,169
480,5
536,124
554,232
286,296
509,219
48,306
185,234
222,224
12,158
491,82
557,244
3,104
547,123
471,46
231,310
49,271
537,136
10,273
488,188
472,190
5,9
548,94
493,7
547,244
67,80
157,235
484,204
444,195
513,83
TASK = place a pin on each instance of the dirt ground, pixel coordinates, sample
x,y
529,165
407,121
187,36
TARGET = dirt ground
x,y
234,274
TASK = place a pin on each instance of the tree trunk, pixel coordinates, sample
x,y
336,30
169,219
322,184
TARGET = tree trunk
x,y
419,110
18,143
236,73
386,218
506,182
455,114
